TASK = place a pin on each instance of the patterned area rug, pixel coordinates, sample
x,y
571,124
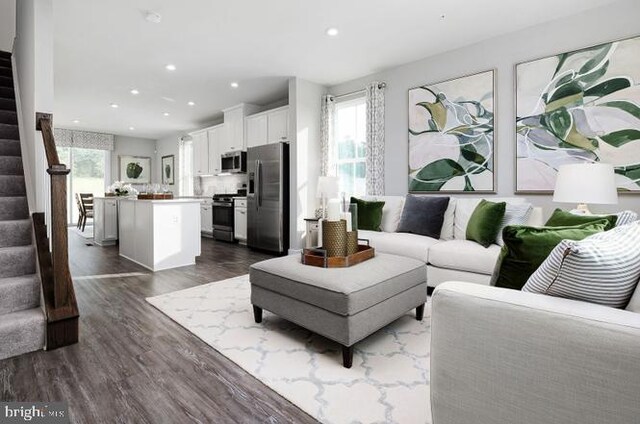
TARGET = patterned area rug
x,y
388,383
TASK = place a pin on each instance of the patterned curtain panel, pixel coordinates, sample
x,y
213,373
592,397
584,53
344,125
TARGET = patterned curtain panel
x,y
375,139
83,139
328,110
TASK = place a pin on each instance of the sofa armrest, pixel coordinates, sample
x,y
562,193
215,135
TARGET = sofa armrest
x,y
501,356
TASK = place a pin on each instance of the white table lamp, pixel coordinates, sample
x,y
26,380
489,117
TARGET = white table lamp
x,y
585,183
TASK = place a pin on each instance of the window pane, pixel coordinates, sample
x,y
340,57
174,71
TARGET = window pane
x,y
350,145
87,173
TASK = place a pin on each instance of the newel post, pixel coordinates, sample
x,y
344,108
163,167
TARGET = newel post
x,y
59,237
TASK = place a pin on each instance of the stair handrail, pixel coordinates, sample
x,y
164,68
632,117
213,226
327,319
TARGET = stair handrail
x,y
58,292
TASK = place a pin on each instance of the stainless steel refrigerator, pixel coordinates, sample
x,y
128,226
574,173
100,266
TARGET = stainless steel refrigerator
x,y
268,198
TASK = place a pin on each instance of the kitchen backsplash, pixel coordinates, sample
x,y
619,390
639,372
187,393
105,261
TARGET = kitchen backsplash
x,y
207,186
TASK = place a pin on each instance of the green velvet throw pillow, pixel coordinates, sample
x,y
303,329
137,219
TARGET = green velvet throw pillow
x,y
525,248
369,214
560,218
485,222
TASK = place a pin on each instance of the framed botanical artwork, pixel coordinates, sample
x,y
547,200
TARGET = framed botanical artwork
x,y
451,135
135,169
168,163
579,107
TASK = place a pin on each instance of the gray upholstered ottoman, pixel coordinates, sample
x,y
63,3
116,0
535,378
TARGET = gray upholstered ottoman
x,y
343,304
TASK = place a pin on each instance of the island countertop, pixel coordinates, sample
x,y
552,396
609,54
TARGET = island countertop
x,y
163,201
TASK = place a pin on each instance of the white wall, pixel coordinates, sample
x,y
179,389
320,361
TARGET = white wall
x,y
618,20
7,24
305,104
33,61
135,147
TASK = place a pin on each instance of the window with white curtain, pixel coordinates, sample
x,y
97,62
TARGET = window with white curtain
x,y
186,168
349,144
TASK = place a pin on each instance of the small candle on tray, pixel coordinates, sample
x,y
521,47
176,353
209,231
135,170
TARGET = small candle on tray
x,y
333,210
347,217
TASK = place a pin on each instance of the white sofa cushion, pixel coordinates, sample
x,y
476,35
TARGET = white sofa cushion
x,y
402,244
466,206
464,255
391,211
447,224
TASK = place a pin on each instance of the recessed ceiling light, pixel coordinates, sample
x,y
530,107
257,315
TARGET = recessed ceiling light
x,y
76,121
443,16
170,67
332,32
153,17
131,128
191,103
234,85
166,113
114,105
134,92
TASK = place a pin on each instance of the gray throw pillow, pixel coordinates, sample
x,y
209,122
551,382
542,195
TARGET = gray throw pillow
x,y
423,215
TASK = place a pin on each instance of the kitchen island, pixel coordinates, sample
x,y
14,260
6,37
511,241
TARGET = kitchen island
x,y
160,234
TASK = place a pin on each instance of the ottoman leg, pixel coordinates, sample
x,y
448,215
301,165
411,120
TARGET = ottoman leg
x,y
420,312
257,314
347,356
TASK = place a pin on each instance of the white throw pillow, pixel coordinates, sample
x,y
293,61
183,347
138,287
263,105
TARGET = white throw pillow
x,y
626,217
391,212
466,206
634,303
603,268
514,214
449,216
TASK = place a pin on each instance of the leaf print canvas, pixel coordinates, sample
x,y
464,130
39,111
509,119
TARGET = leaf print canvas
x,y
577,107
451,137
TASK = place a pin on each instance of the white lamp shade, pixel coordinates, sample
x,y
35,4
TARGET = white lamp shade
x,y
589,183
327,187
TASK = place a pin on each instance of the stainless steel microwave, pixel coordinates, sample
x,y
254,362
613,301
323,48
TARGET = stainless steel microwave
x,y
234,162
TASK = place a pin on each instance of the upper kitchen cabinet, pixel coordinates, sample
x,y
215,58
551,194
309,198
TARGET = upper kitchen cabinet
x,y
216,137
200,153
266,127
234,139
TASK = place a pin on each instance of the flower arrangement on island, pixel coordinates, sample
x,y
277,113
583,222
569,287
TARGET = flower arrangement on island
x,y
119,188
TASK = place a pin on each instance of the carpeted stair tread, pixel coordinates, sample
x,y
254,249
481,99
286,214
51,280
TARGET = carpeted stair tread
x,y
14,208
4,54
8,104
10,148
6,81
12,185
15,233
19,293
22,332
7,93
8,117
11,165
6,71
17,261
9,131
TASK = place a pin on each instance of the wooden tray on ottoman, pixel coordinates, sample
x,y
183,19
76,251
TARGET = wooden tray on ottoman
x,y
318,257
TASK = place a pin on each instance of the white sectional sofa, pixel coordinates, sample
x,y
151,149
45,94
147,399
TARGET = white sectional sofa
x,y
452,257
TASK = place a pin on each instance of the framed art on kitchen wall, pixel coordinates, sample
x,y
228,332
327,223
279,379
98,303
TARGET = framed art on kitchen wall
x,y
168,169
451,135
578,107
135,169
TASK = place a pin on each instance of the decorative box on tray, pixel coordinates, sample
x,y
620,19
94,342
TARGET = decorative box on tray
x,y
155,196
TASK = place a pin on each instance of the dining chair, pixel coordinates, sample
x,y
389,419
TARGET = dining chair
x,y
86,200
80,211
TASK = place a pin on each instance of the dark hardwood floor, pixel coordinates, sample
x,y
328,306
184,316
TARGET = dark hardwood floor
x,y
135,365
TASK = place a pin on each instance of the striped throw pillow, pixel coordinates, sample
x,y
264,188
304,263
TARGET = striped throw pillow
x,y
603,268
514,214
626,217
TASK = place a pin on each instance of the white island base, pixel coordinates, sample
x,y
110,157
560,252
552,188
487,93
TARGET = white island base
x,y
160,234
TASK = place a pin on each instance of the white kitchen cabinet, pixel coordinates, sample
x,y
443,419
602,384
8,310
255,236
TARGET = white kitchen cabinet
x,y
271,126
234,139
278,125
216,138
206,218
200,153
256,130
105,221
240,219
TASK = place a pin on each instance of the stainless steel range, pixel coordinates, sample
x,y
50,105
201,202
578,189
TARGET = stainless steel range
x,y
223,217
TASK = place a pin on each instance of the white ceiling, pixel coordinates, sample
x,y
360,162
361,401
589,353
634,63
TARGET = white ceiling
x,y
104,48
